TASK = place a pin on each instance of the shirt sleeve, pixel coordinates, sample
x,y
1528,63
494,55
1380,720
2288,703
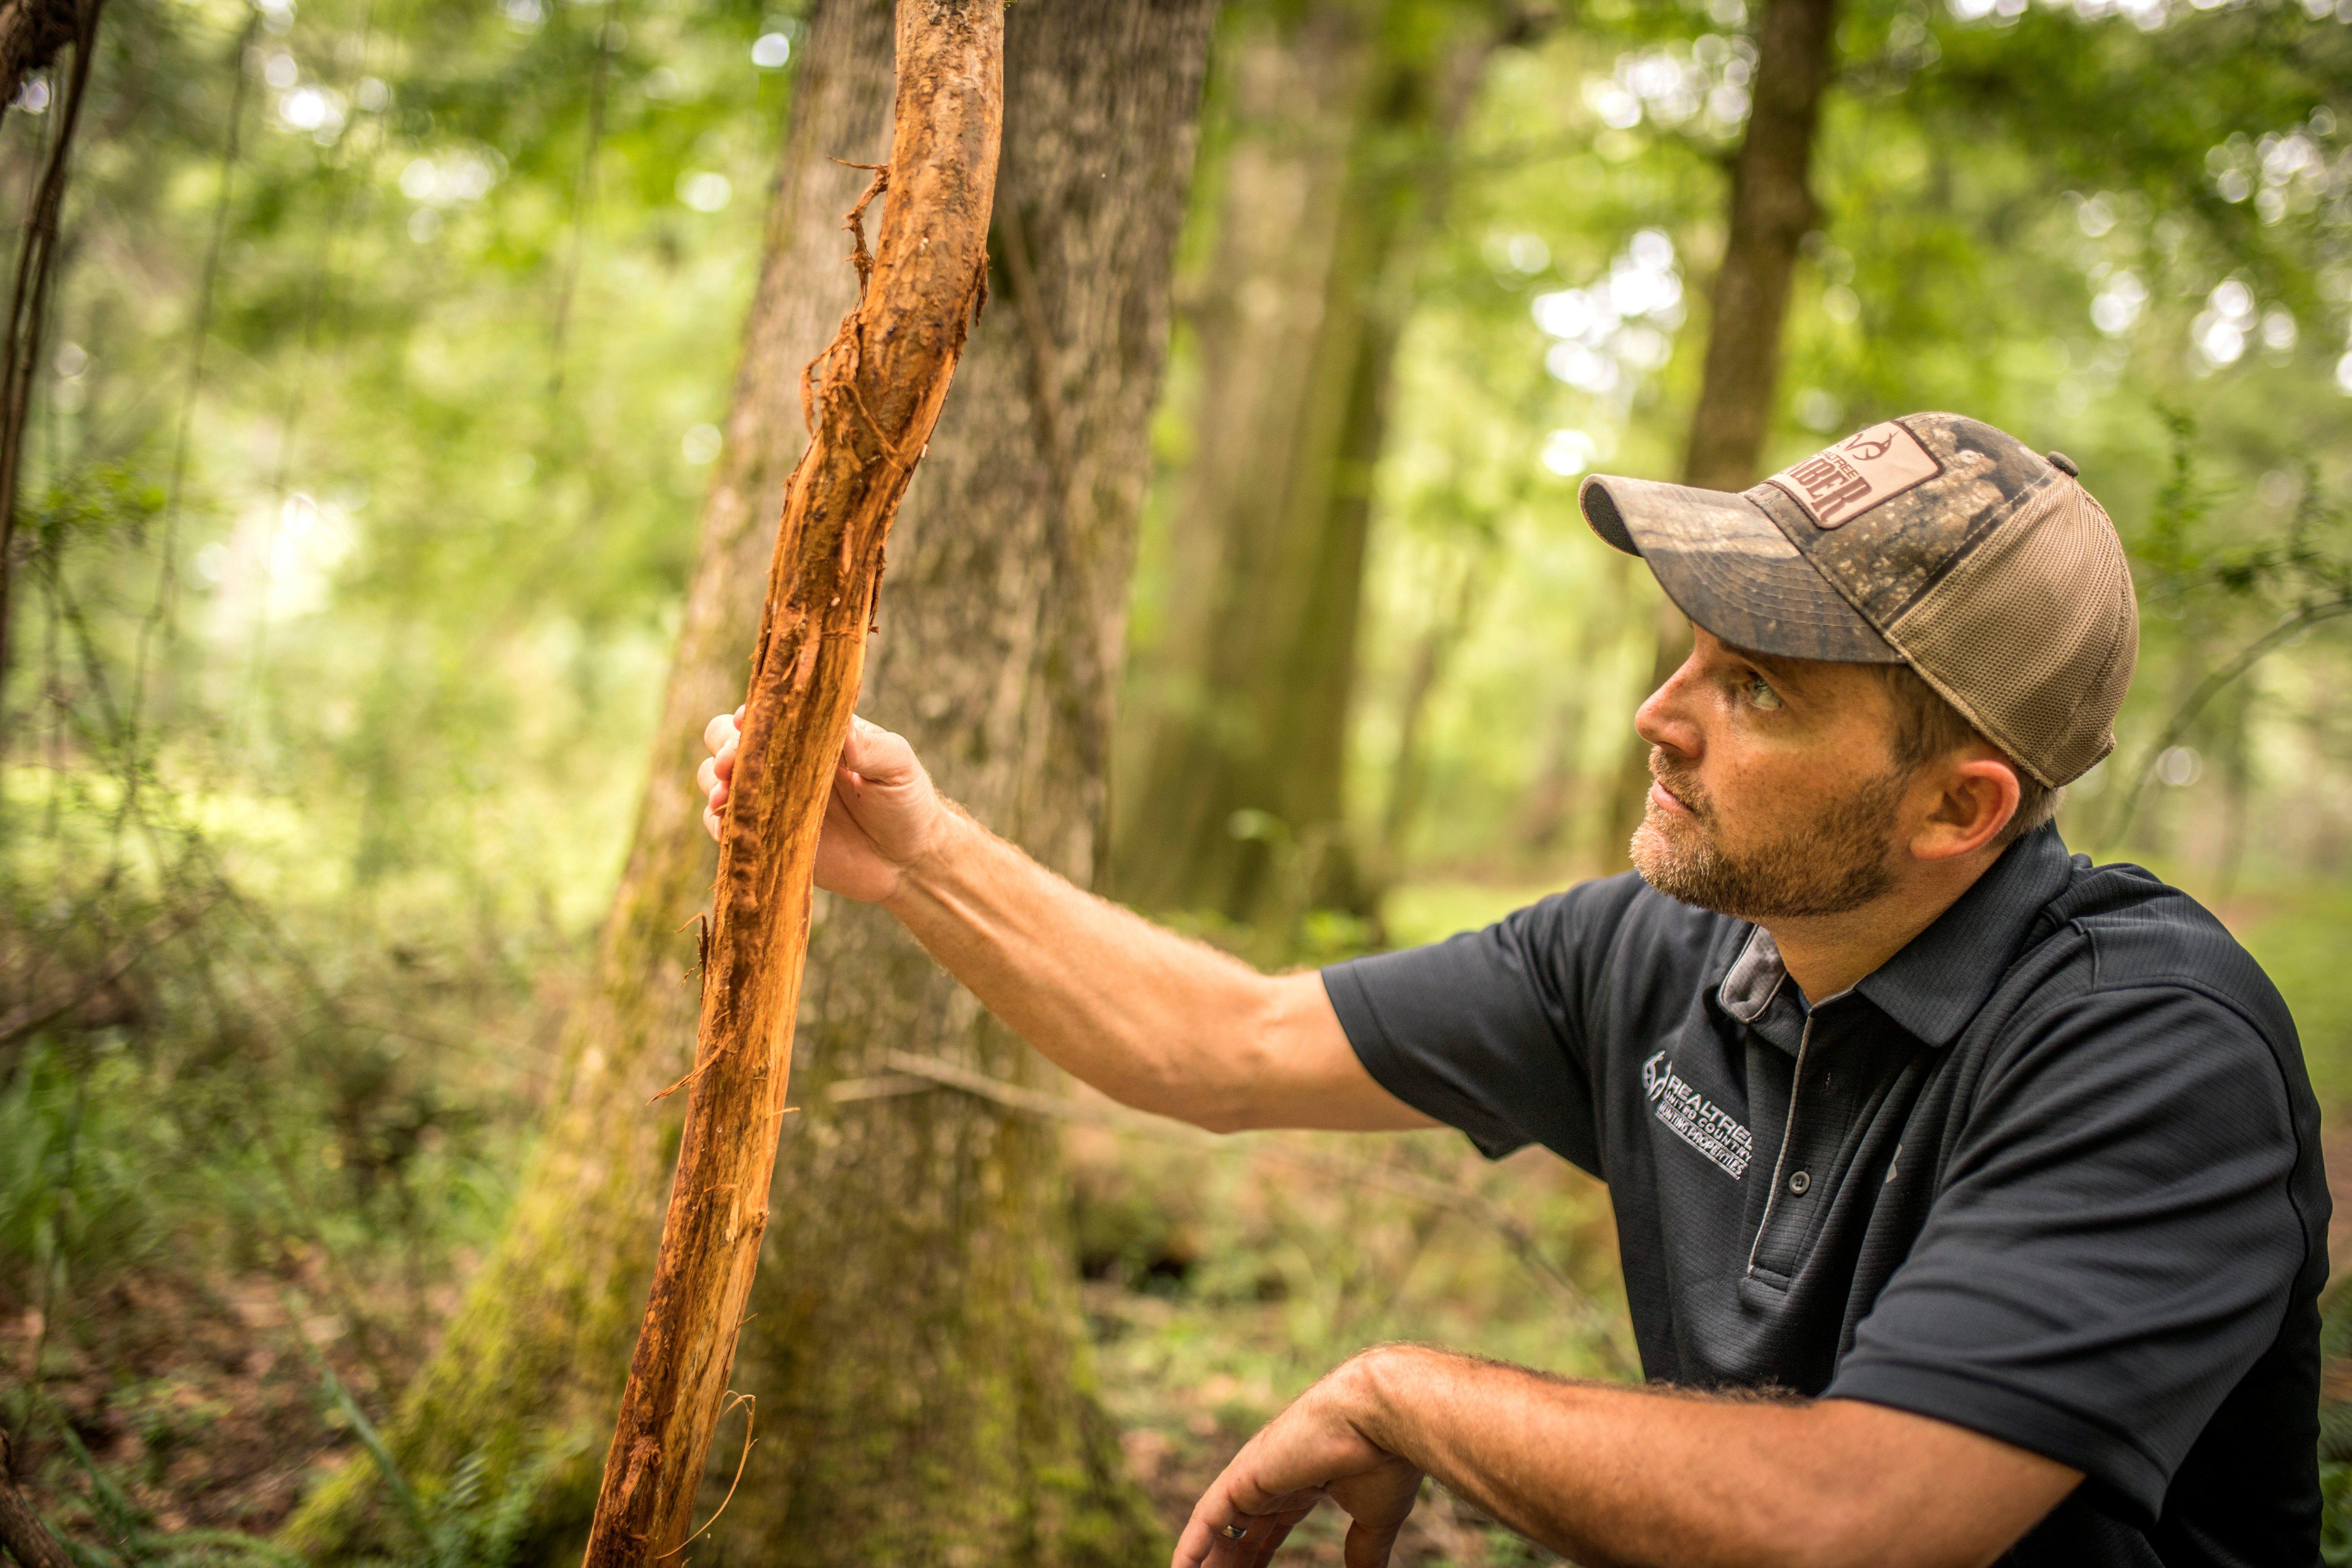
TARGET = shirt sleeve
x,y
2112,1247
1486,1031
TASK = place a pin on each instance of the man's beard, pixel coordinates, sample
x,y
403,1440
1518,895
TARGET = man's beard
x,y
1837,862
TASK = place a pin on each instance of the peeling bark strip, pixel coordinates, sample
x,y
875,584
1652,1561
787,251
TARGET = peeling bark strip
x,y
874,396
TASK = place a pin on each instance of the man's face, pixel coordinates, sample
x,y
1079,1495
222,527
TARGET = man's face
x,y
1776,794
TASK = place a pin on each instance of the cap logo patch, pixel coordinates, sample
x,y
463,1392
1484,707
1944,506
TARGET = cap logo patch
x,y
1840,483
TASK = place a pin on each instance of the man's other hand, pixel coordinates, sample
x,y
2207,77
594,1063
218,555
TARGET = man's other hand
x,y
883,817
1313,1450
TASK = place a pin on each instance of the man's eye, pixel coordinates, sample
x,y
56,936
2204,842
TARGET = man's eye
x,y
1762,694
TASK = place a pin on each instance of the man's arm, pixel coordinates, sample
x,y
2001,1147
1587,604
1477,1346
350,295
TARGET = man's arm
x,y
1610,1476
1152,1019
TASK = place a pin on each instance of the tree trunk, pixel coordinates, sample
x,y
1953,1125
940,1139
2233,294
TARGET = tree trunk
x,y
1408,779
915,1343
1562,785
1097,163
874,398
1773,208
1344,119
530,1371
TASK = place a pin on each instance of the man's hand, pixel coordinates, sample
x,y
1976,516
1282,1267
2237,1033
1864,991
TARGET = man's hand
x,y
1153,1020
1614,1475
883,817
1313,1450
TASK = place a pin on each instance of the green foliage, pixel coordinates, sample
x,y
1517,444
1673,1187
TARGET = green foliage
x,y
354,547
80,1185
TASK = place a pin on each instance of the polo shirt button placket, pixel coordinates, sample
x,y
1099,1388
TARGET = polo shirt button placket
x,y
1797,1181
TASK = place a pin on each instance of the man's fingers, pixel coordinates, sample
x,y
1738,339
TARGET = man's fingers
x,y
707,775
1368,1547
1276,1530
1208,1540
721,730
878,755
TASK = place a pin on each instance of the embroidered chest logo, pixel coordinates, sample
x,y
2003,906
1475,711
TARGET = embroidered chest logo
x,y
1849,479
1696,1120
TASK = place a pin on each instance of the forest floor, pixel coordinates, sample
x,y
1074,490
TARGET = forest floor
x,y
1219,1282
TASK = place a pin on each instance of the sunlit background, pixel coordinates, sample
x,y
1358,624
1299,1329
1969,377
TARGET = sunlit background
x,y
389,357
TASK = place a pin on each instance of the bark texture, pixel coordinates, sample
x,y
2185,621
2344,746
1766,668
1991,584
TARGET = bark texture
x,y
914,1348
1343,113
874,396
530,1370
1771,210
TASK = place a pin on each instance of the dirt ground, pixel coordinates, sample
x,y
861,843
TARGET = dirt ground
x,y
194,1405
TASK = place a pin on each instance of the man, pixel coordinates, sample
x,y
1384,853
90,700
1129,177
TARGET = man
x,y
1969,1196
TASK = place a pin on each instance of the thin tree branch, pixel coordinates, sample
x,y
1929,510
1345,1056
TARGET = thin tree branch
x,y
2207,690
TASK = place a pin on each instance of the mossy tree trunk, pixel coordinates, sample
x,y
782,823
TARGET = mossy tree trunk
x,y
915,1347
988,1446
530,1371
1343,115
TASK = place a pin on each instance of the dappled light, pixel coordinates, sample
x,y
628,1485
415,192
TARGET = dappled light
x,y
401,401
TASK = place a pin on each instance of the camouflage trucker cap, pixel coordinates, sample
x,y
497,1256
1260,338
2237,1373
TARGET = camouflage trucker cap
x,y
1932,541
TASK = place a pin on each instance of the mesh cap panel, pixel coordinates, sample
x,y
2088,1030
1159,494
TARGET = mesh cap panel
x,y
2033,634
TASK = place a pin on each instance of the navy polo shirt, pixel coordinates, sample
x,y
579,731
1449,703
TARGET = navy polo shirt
x,y
2052,1173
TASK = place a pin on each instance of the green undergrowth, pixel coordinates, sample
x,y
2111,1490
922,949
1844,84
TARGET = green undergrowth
x,y
246,1152
1224,1279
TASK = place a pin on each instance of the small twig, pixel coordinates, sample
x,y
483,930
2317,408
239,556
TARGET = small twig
x,y
861,257
715,1059
23,1020
750,1404
2207,690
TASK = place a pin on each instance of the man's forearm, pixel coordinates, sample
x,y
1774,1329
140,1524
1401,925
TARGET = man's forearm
x,y
1609,1475
1151,1019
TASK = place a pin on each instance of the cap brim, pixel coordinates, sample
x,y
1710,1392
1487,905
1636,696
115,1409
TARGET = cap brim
x,y
1728,567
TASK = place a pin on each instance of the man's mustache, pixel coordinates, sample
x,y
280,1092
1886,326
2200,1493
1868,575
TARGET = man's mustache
x,y
1680,783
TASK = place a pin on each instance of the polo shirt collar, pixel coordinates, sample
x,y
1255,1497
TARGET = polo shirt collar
x,y
1937,982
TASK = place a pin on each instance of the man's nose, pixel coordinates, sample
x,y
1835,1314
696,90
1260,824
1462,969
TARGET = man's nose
x,y
1667,719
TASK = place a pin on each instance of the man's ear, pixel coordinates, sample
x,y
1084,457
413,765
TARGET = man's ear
x,y
1976,797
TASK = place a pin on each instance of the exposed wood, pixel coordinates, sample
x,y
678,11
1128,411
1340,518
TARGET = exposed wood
x,y
874,396
918,1343
22,1533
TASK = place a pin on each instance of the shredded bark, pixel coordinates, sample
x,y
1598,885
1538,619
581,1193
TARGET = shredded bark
x,y
874,396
